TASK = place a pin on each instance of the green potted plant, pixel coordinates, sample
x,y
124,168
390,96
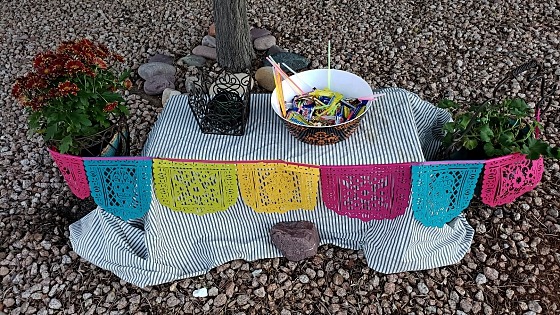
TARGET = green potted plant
x,y
494,128
73,95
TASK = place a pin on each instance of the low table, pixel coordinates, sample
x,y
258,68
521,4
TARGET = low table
x,y
167,245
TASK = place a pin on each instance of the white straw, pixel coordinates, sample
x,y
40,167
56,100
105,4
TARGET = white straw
x,y
311,87
329,65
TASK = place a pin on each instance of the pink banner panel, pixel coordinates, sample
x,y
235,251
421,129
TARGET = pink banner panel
x,y
507,178
73,171
367,192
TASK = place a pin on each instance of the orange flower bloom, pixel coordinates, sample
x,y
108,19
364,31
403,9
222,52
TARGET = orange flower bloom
x,y
74,66
34,81
127,84
118,57
16,89
100,63
67,87
110,106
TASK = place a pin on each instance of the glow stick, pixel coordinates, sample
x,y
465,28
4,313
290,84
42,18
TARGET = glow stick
x,y
295,73
294,86
370,98
279,92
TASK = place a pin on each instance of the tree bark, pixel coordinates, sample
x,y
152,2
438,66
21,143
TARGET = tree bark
x,y
233,42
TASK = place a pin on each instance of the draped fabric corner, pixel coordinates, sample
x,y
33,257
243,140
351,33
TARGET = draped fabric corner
x,y
367,192
121,186
440,191
277,187
507,178
73,171
194,187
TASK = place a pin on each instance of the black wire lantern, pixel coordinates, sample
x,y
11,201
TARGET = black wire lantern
x,y
220,103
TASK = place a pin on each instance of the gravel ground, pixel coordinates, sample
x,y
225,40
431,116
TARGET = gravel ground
x,y
434,48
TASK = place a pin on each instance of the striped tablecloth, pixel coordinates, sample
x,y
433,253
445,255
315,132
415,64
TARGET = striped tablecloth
x,y
167,245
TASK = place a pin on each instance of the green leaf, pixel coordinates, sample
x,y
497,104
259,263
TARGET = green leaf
x,y
124,109
111,97
489,149
464,121
445,103
124,75
553,152
449,127
470,144
83,119
486,133
84,101
537,148
51,131
506,138
65,144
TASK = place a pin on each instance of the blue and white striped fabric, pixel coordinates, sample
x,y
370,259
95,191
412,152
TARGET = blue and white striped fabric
x,y
169,245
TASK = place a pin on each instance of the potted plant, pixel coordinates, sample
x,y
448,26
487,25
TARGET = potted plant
x,y
500,126
73,96
494,128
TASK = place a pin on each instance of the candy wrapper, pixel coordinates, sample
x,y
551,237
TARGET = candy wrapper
x,y
324,108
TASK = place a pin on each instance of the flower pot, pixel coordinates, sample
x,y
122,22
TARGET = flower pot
x,y
113,141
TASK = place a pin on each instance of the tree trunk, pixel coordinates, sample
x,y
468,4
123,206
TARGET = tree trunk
x,y
233,42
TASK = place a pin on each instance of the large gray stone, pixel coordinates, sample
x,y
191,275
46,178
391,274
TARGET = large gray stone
x,y
157,84
161,58
265,78
294,61
265,42
206,52
209,41
152,69
258,33
274,50
296,240
192,61
190,83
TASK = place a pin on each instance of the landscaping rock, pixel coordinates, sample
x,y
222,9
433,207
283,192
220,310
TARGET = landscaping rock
x,y
296,240
189,83
192,61
55,304
157,84
212,30
149,70
206,52
167,93
202,292
256,32
265,42
161,58
220,300
274,50
209,41
265,78
294,61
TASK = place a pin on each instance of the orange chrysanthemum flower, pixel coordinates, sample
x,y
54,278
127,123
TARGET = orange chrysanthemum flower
x,y
67,87
74,66
16,89
100,63
110,106
127,84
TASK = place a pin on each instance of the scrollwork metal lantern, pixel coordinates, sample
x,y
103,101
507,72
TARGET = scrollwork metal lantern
x,y
220,102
